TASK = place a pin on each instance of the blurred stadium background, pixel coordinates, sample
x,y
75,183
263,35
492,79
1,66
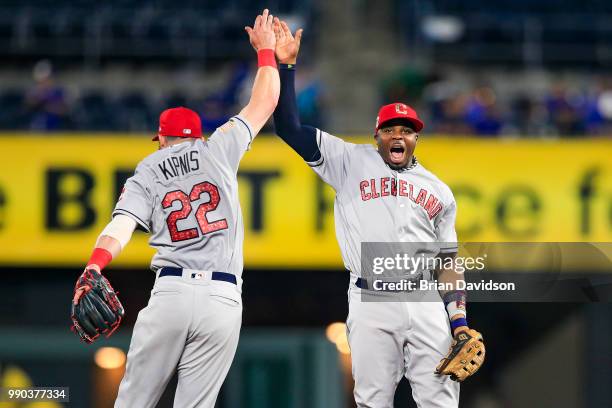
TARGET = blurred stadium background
x,y
517,98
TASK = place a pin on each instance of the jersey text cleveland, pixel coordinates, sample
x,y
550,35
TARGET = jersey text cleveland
x,y
387,186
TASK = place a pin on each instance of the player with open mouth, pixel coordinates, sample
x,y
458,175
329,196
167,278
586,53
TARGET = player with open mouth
x,y
396,139
384,195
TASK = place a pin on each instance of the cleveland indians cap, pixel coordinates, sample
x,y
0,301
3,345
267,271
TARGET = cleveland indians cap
x,y
398,111
179,122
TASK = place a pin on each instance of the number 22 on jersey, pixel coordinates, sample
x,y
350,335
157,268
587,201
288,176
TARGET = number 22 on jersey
x,y
205,226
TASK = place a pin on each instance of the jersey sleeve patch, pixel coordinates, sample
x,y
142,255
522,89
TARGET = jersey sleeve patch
x,y
226,127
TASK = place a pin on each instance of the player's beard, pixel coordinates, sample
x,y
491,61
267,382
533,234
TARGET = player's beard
x,y
395,166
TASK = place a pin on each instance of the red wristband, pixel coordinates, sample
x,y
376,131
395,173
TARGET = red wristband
x,y
100,257
265,58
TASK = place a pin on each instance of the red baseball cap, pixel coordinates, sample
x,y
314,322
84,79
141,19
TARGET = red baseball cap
x,y
179,122
398,111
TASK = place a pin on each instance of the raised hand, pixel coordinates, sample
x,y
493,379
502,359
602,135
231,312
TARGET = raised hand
x,y
261,35
287,46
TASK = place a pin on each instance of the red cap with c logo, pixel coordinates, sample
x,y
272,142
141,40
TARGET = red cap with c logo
x,y
398,111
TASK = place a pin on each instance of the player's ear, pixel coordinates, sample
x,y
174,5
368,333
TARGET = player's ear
x,y
377,139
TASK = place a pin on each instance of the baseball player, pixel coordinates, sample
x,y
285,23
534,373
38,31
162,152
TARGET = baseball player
x,y
186,196
384,194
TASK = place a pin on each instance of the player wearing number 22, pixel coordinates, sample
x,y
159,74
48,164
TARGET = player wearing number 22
x,y
384,194
186,196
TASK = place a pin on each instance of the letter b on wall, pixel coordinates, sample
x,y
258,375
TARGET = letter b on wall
x,y
68,196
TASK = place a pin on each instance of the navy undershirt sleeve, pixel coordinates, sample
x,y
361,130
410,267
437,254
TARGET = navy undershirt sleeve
x,y
302,139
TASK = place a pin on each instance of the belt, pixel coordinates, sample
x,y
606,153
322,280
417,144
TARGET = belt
x,y
361,283
218,276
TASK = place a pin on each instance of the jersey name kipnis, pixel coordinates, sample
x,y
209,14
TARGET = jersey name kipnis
x,y
174,166
387,186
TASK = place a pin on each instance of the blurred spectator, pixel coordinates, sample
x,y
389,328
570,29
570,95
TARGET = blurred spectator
x,y
310,95
214,113
529,116
446,104
218,107
597,111
599,108
46,102
580,105
230,94
482,112
565,110
449,116
310,98
560,110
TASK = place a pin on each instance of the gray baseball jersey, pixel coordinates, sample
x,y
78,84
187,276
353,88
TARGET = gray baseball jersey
x,y
375,203
186,196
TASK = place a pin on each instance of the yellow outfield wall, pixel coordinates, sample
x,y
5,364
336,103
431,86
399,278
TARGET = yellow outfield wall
x,y
57,192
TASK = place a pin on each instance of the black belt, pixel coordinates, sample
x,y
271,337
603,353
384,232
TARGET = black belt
x,y
361,283
218,276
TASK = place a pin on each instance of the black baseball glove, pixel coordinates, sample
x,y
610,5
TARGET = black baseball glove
x,y
96,309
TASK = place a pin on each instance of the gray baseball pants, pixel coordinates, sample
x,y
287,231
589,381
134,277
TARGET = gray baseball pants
x,y
190,325
392,339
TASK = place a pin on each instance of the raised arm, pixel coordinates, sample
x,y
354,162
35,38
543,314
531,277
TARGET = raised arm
x,y
286,116
266,88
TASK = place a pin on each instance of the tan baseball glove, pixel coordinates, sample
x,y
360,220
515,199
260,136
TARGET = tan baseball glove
x,y
466,355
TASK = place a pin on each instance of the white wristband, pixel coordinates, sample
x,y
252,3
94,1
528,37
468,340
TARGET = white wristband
x,y
453,310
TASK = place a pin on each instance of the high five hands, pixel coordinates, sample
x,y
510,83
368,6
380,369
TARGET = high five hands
x,y
262,35
287,46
